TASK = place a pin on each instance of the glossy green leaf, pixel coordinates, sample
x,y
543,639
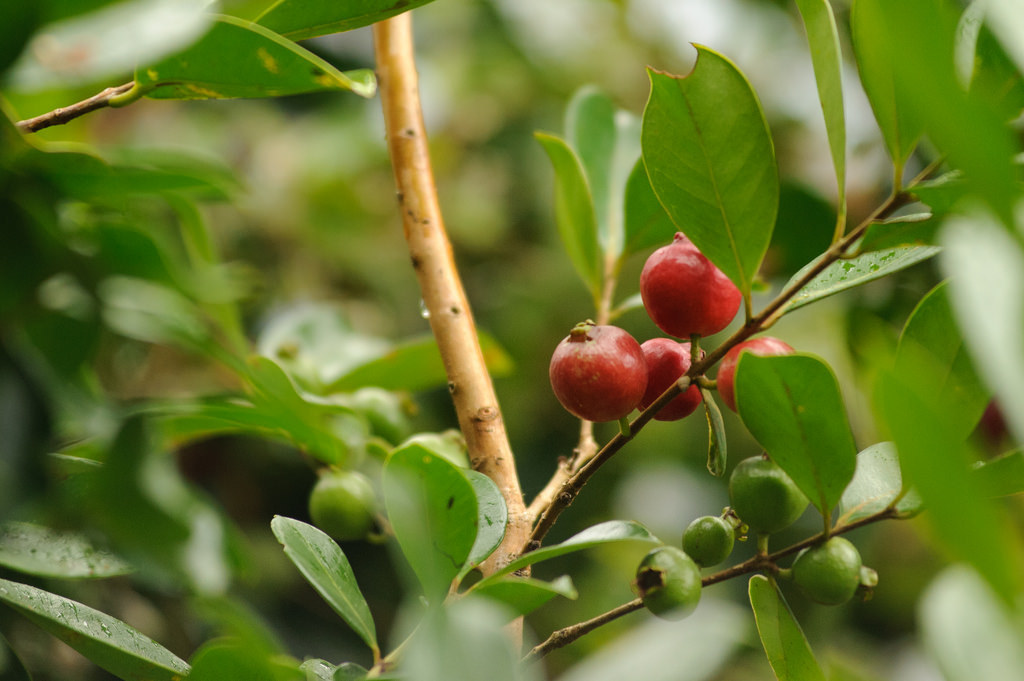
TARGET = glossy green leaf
x,y
967,630
415,365
574,212
792,406
523,595
230,658
846,274
449,444
875,62
784,642
914,229
433,511
1003,475
608,532
40,551
693,649
932,349
647,223
302,19
827,58
935,460
944,193
240,59
493,517
710,160
962,125
718,452
986,270
324,565
321,670
107,642
876,484
78,50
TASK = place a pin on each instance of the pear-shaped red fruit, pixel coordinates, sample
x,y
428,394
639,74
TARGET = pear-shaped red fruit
x,y
763,346
598,373
667,360
684,293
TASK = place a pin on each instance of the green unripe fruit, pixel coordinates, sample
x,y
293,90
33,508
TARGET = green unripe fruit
x,y
828,573
764,497
342,504
668,582
708,540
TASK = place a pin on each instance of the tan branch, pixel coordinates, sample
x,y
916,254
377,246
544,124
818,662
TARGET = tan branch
x,y
68,113
451,320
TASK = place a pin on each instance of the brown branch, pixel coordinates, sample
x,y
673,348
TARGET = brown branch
x,y
758,563
66,114
572,481
564,637
451,319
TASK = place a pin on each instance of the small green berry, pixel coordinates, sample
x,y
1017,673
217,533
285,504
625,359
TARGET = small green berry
x,y
668,582
764,497
342,504
708,540
828,573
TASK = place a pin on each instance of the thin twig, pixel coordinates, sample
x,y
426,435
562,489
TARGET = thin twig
x,y
758,563
564,637
569,488
68,113
451,319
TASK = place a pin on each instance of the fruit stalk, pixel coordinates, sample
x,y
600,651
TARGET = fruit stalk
x,y
451,320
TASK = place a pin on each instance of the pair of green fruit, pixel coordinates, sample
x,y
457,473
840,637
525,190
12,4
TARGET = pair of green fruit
x,y
767,501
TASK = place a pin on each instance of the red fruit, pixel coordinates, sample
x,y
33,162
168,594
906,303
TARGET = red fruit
x,y
684,293
763,346
598,372
667,360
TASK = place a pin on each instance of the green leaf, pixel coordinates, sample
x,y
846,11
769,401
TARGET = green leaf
x,y
324,565
792,405
826,55
876,483
1003,475
43,552
647,223
106,641
944,193
935,460
153,313
985,265
875,61
523,595
302,19
415,365
108,43
914,229
608,532
608,144
433,511
718,453
710,160
240,59
574,212
846,274
493,517
230,658
693,649
784,642
321,670
932,349
962,125
967,630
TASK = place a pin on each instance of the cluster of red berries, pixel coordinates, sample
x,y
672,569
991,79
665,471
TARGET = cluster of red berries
x,y
601,373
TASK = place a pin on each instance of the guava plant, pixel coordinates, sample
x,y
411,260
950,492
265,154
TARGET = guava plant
x,y
693,186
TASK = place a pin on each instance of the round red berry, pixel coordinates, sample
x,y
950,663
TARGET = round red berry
x,y
763,346
667,360
598,373
684,293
